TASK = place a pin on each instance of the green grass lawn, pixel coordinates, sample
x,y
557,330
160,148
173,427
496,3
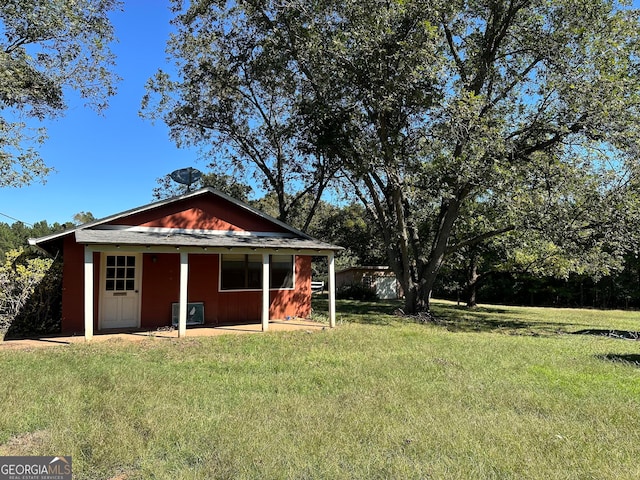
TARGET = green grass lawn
x,y
496,392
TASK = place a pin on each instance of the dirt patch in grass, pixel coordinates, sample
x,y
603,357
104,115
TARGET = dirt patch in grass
x,y
25,443
120,476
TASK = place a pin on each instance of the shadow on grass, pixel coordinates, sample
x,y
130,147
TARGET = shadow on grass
x,y
631,359
622,334
380,312
453,318
491,319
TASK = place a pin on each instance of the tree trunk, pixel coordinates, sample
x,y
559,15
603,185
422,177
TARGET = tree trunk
x,y
414,300
471,287
471,295
449,211
410,299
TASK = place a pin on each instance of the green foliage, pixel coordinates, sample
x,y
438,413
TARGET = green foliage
x,y
351,227
432,107
48,46
83,217
356,291
232,95
580,223
15,236
30,285
20,275
41,313
489,393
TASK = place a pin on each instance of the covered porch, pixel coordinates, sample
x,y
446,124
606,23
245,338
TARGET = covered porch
x,y
98,243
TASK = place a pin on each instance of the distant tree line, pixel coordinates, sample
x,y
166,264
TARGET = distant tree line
x,y
16,235
617,290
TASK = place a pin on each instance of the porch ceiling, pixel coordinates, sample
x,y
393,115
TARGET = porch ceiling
x,y
126,237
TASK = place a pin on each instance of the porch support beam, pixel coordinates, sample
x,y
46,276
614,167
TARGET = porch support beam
x,y
88,293
265,292
184,277
332,289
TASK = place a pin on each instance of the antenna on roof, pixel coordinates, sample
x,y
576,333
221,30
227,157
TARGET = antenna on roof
x,y
186,176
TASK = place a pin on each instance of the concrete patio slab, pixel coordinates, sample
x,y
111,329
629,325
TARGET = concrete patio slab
x,y
138,335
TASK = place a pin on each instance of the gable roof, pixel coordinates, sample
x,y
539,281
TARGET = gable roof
x,y
108,231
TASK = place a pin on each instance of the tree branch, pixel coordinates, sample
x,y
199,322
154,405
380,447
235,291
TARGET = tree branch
x,y
511,86
454,51
479,239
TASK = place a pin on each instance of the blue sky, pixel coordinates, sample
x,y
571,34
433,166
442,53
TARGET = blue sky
x,y
107,163
110,163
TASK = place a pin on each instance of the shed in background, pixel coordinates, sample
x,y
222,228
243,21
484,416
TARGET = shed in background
x,y
380,278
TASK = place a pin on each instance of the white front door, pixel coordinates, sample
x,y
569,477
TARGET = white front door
x,y
120,290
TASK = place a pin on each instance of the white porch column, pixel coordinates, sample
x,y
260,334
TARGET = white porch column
x,y
265,292
332,289
184,277
88,293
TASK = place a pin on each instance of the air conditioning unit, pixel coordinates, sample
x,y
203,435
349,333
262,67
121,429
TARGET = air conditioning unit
x,y
195,313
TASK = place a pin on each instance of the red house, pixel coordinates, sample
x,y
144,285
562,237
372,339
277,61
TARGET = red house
x,y
203,257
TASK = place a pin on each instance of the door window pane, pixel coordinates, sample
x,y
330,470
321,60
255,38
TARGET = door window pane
x,y
120,273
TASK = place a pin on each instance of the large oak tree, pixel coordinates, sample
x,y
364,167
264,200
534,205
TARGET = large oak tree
x,y
430,105
231,93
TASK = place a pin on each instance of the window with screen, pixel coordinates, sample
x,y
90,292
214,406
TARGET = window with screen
x,y
239,272
281,271
244,272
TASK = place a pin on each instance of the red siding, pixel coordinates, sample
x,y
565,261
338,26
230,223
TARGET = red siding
x,y
73,287
204,212
160,288
203,284
161,274
296,302
161,283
